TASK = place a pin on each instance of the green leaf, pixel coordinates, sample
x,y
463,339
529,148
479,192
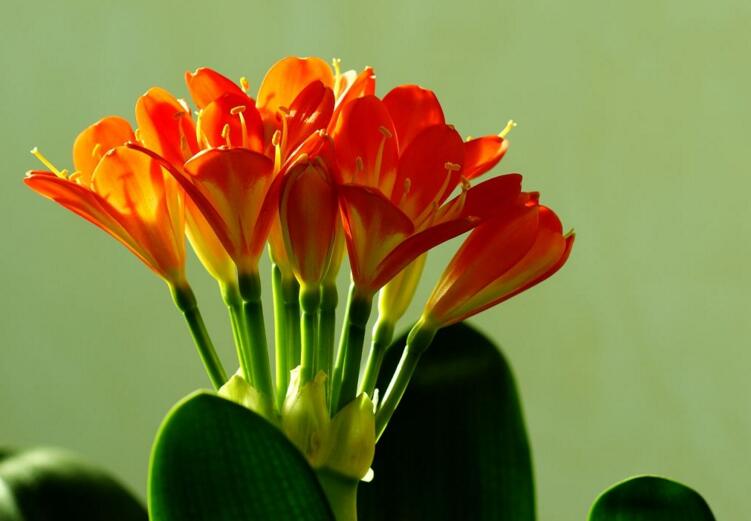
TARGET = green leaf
x,y
650,498
456,448
53,485
214,460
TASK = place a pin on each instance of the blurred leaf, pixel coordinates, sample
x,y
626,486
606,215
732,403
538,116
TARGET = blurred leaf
x,y
214,460
456,448
52,485
650,498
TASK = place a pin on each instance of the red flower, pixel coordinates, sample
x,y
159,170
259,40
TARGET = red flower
x,y
128,195
501,258
399,164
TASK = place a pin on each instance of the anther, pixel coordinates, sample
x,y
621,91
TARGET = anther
x,y
46,162
509,127
184,105
283,110
451,167
276,138
237,110
466,185
97,150
359,164
386,132
244,85
225,134
337,63
407,185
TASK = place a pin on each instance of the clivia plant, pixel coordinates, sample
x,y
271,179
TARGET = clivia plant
x,y
314,169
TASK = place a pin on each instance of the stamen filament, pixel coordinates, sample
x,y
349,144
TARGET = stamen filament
x,y
509,127
238,111
46,162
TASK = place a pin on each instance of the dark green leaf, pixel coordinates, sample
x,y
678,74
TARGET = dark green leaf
x,y
214,460
650,498
52,485
456,448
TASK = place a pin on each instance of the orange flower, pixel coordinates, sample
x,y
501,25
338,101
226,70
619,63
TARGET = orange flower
x,y
399,164
128,195
309,215
501,258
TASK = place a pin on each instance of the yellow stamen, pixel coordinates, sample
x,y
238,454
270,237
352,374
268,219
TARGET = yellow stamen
x,y
452,167
285,131
386,132
97,150
225,134
46,162
138,136
509,127
337,64
275,141
199,132
238,111
244,85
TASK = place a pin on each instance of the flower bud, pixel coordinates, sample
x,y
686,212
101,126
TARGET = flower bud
x,y
352,439
305,417
239,391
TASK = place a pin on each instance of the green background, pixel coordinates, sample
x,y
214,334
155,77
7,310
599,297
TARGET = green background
x,y
633,123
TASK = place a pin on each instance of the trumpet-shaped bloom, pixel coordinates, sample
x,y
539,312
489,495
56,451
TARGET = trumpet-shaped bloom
x,y
397,174
131,198
309,212
499,259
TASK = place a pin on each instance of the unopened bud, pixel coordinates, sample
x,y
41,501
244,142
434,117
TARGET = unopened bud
x,y
305,417
238,390
352,439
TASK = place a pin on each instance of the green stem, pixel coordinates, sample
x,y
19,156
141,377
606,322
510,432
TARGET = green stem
x,y
291,290
383,333
281,336
326,332
341,492
231,297
185,300
418,340
310,303
250,291
347,369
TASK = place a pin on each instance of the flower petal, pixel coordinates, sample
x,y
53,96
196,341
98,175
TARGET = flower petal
x,y
165,126
309,213
287,77
429,170
206,85
95,141
484,200
234,183
373,227
350,88
412,109
365,146
482,154
309,112
135,185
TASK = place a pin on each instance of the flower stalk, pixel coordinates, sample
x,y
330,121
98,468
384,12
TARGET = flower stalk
x,y
250,291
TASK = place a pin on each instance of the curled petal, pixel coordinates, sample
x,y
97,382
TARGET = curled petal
x,y
309,212
482,154
239,116
206,85
412,109
309,112
373,227
498,260
232,186
485,200
365,146
95,141
429,170
165,126
350,87
287,77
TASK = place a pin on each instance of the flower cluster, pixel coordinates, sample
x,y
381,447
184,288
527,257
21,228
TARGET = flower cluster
x,y
313,166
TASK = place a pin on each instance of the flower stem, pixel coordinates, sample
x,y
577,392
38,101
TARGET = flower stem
x,y
291,291
185,300
250,291
310,303
418,340
231,296
341,492
326,331
347,369
281,336
383,333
